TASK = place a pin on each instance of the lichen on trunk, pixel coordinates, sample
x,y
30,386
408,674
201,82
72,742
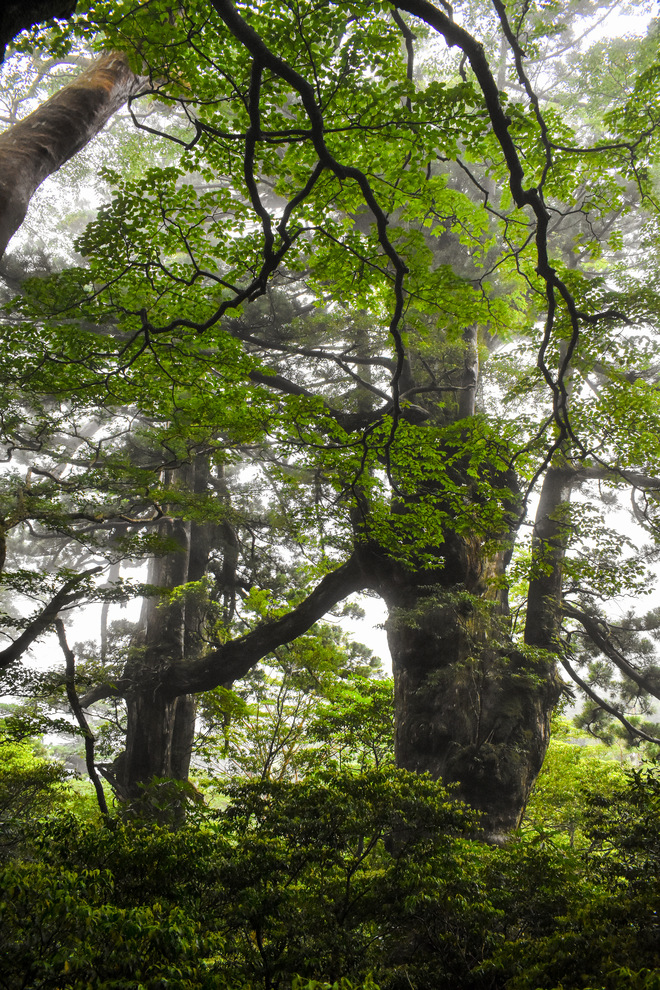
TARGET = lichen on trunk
x,y
470,709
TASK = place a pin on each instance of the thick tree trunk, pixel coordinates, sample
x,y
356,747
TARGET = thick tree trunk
x,y
39,145
469,709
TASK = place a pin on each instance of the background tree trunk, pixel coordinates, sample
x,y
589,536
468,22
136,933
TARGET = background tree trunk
x,y
39,145
161,728
158,727
548,549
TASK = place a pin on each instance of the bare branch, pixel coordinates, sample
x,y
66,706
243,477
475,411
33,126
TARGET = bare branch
x,y
588,690
76,708
67,595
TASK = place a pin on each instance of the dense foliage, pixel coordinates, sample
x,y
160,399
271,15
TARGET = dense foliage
x,y
348,294
347,879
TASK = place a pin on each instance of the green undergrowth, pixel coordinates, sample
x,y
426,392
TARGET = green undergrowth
x,y
338,882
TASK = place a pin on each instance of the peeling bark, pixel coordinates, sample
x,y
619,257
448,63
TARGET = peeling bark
x,y
39,145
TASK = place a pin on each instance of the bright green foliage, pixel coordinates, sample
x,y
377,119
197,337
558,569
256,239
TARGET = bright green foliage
x,y
367,881
327,868
31,786
575,772
610,940
60,931
325,836
290,881
355,728
315,706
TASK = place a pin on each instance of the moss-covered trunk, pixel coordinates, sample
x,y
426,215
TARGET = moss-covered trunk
x,y
470,710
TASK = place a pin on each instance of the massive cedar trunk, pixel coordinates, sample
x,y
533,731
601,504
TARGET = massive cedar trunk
x,y
470,708
39,145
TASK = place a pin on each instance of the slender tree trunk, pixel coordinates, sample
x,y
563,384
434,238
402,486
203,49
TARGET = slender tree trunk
x,y
39,145
467,397
161,726
113,575
548,549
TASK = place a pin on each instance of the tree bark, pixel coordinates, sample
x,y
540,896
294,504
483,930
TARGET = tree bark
x,y
548,549
39,145
158,726
161,727
470,709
